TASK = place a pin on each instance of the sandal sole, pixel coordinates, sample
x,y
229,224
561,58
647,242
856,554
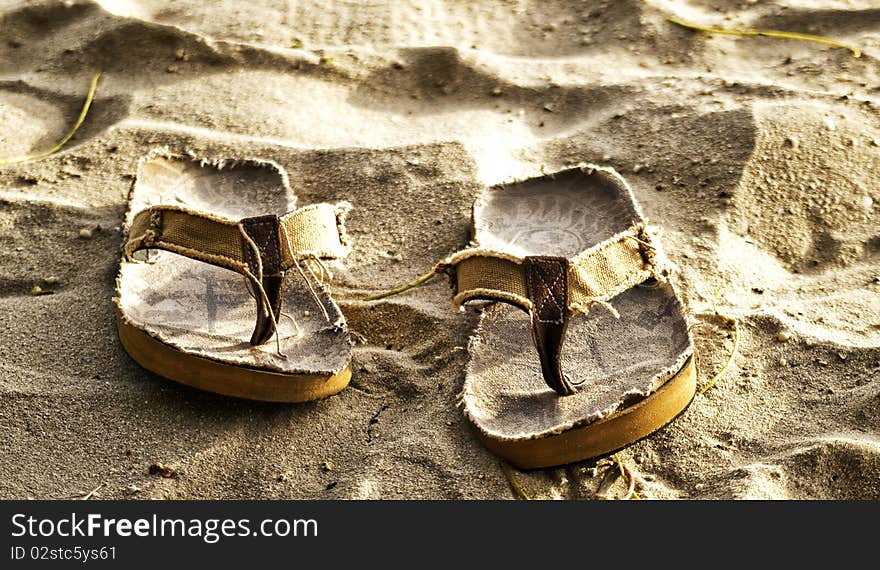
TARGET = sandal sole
x,y
226,379
605,436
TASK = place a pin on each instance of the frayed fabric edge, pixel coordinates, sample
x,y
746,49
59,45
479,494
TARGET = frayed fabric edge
x,y
219,163
586,168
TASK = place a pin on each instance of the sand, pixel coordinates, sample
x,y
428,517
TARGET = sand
x,y
757,156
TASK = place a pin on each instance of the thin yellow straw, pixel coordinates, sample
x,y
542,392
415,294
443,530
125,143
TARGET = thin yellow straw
x,y
405,287
735,324
630,480
856,52
514,484
82,117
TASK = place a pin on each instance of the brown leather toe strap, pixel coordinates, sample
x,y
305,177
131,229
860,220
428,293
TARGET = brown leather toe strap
x,y
546,281
266,234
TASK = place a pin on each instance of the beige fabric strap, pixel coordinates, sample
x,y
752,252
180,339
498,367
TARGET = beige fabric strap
x,y
486,275
317,231
313,231
595,275
194,234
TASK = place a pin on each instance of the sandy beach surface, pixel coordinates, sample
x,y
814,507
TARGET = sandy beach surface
x,y
758,156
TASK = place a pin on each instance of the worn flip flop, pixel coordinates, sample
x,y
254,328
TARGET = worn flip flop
x,y
557,246
207,242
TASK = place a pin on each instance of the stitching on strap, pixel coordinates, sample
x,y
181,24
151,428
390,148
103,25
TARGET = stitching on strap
x,y
272,254
539,272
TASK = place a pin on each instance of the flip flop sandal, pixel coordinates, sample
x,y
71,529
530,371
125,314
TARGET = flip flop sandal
x,y
207,241
555,247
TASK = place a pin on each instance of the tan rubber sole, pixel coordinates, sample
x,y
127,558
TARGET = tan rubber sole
x,y
226,379
605,436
